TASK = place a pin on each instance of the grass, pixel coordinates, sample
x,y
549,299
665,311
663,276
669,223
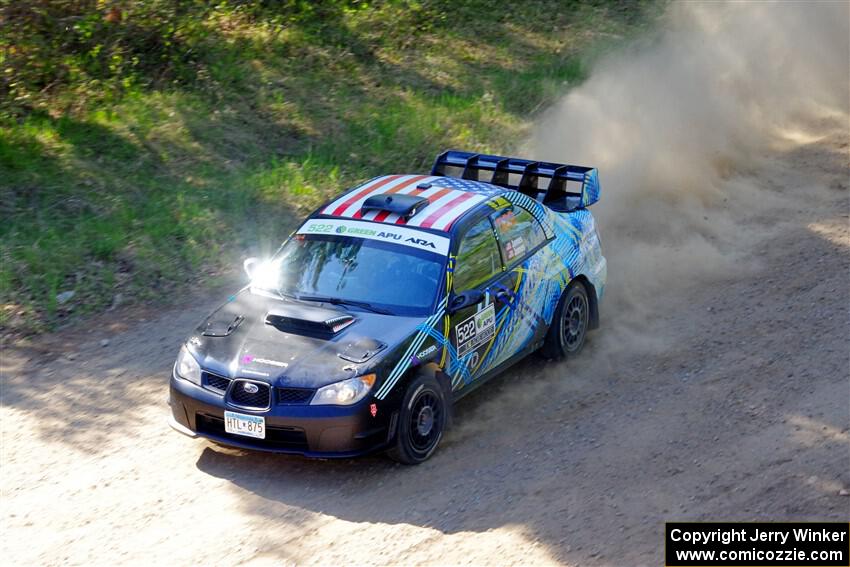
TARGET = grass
x,y
134,186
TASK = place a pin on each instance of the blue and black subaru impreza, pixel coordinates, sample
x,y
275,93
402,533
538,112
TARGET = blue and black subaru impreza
x,y
390,303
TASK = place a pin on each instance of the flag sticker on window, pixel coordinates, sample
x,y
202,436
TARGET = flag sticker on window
x,y
515,247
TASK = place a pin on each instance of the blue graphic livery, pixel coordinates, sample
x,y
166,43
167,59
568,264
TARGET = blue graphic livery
x,y
390,303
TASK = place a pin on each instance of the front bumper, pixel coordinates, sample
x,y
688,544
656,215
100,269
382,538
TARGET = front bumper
x,y
312,431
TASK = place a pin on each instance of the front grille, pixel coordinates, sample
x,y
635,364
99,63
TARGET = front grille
x,y
292,438
241,397
294,395
215,382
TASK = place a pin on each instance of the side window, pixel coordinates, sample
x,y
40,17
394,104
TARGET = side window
x,y
478,257
519,232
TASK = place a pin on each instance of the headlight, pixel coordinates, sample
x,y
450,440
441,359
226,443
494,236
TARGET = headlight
x,y
266,275
344,393
187,367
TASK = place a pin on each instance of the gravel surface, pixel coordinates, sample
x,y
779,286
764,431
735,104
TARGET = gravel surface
x,y
719,397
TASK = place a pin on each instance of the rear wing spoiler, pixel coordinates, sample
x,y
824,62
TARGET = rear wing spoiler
x,y
526,176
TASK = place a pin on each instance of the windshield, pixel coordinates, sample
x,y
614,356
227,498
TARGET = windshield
x,y
389,277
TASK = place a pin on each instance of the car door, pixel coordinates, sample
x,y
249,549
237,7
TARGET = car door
x,y
478,276
528,285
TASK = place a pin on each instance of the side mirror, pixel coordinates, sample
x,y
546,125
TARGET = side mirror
x,y
465,299
250,266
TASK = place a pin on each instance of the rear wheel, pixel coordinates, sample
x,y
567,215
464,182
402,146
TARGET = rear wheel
x,y
421,423
568,331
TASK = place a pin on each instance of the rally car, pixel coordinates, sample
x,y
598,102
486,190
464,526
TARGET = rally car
x,y
390,303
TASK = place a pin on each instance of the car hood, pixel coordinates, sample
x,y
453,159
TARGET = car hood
x,y
288,343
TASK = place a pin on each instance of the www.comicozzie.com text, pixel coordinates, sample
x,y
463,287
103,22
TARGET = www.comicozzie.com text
x,y
726,536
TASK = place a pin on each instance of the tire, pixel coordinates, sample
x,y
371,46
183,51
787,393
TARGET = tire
x,y
422,421
568,330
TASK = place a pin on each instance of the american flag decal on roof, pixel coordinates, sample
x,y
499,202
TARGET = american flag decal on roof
x,y
449,198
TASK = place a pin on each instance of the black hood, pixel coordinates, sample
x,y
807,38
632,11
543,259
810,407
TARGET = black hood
x,y
295,343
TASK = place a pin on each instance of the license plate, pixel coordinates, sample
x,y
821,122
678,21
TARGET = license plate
x,y
247,425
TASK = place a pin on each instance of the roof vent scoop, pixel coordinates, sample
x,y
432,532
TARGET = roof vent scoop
x,y
404,205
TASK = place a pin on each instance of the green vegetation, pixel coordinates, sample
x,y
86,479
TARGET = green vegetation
x,y
146,145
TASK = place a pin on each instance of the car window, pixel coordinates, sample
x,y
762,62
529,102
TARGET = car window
x,y
477,257
397,278
519,232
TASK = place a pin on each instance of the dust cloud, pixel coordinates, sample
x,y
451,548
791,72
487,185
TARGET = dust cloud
x,y
678,125
690,130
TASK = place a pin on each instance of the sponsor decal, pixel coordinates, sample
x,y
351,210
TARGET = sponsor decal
x,y
498,203
431,349
271,362
475,331
400,235
373,409
248,359
421,242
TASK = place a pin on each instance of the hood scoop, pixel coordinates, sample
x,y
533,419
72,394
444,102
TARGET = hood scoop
x,y
361,350
222,327
310,321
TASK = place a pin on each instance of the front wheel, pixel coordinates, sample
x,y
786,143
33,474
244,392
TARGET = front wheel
x,y
422,421
569,326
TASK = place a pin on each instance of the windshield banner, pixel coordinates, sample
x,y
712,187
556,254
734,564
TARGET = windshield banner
x,y
372,231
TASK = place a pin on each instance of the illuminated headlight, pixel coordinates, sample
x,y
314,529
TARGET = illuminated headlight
x,y
267,275
344,393
187,367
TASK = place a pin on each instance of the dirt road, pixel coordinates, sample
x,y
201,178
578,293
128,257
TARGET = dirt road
x,y
718,388
707,400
